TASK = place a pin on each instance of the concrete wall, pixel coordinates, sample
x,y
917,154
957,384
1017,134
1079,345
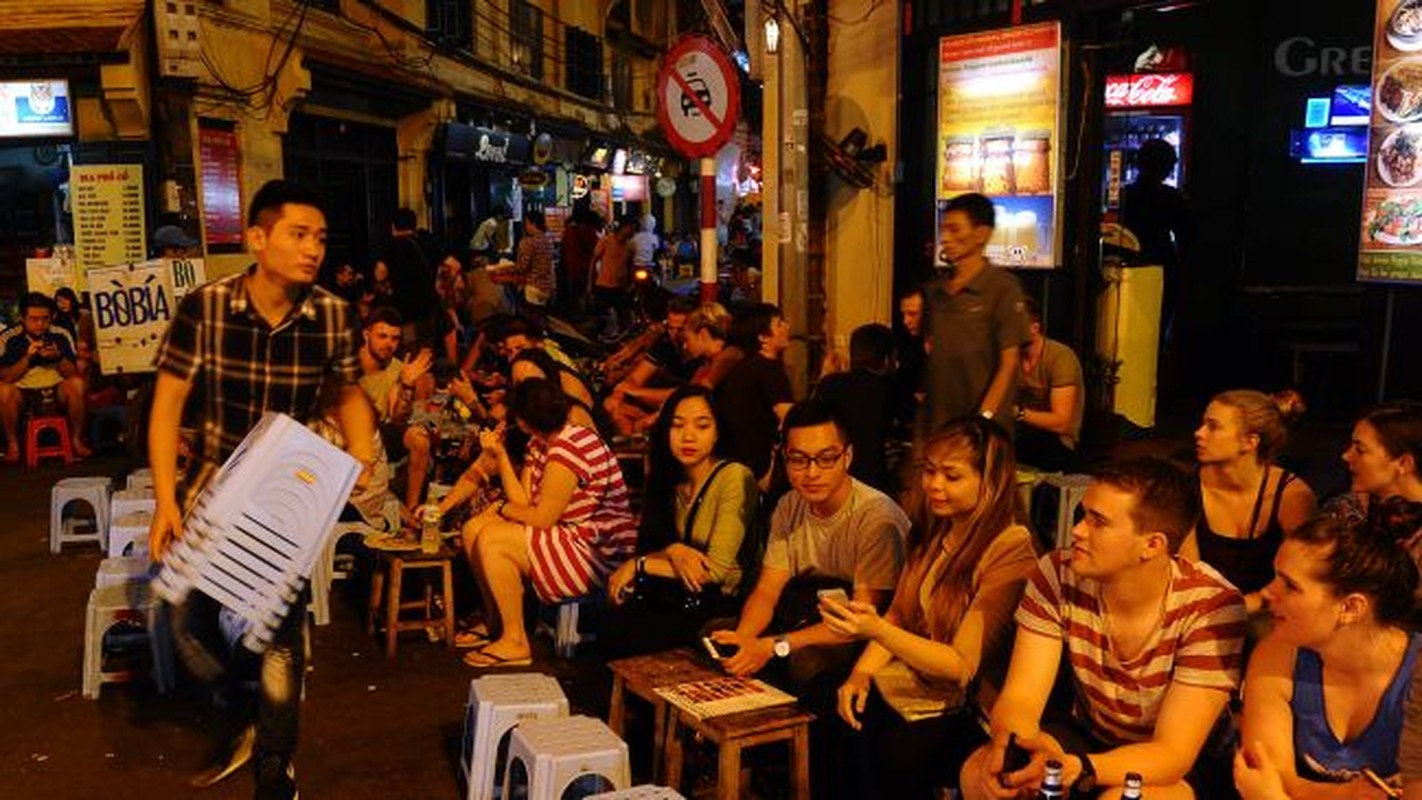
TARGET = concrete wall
x,y
863,93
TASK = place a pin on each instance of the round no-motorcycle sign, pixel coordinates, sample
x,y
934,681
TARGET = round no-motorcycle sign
x,y
698,97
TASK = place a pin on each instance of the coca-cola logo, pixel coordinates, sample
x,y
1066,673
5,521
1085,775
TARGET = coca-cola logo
x,y
1150,89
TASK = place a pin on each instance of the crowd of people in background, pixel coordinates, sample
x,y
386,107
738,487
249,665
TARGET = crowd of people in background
x,y
863,545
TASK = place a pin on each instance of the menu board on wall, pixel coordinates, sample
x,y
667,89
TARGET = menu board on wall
x,y
221,183
107,202
999,134
1390,248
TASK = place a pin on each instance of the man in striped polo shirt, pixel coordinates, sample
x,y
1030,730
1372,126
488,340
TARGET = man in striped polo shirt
x,y
1153,642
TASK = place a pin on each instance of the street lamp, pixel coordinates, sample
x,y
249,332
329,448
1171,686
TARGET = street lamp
x,y
772,35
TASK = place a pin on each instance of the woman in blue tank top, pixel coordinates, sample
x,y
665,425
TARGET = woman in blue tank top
x,y
1323,698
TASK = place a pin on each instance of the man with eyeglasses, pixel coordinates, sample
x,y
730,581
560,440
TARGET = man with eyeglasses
x,y
831,531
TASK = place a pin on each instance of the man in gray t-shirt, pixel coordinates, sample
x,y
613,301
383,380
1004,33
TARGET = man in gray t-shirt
x,y
831,530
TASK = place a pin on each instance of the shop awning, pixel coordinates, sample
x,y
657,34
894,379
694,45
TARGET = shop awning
x,y
73,26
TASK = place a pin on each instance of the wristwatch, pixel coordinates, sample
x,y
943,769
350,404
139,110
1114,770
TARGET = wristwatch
x,y
1085,782
782,647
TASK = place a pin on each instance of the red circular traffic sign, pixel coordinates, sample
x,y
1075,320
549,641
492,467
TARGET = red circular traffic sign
x,y
698,97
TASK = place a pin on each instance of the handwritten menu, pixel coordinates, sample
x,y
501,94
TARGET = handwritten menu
x,y
108,214
221,183
999,134
1390,247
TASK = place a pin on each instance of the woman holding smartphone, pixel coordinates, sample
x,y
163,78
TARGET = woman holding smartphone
x,y
699,507
940,653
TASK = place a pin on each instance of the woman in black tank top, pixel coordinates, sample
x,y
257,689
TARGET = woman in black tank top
x,y
1249,504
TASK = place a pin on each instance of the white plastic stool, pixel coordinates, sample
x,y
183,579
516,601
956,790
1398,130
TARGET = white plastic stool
x,y
128,534
131,501
643,792
496,704
129,602
1070,490
565,633
95,492
552,753
119,570
140,479
323,571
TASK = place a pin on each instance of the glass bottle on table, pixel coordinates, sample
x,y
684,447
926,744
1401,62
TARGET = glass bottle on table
x,y
429,529
1052,784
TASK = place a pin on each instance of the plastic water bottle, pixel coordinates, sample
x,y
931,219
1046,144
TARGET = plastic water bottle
x,y
1133,787
1052,783
429,529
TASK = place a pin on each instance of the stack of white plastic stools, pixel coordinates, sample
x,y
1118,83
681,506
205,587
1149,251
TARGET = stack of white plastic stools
x,y
547,755
1070,490
129,603
128,534
132,501
497,703
140,480
118,570
95,492
644,792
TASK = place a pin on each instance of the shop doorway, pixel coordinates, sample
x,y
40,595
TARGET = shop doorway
x,y
355,167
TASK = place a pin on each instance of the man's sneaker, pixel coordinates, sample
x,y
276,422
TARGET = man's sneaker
x,y
276,779
234,754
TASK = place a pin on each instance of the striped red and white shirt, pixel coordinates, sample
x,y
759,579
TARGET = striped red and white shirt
x,y
596,531
1199,643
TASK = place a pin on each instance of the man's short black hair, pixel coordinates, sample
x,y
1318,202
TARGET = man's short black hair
x,y
751,322
978,208
512,325
871,347
36,300
386,315
810,413
404,220
682,304
265,208
1167,497
535,218
1032,308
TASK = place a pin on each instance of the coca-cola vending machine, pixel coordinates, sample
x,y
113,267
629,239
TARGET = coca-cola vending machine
x,y
1139,107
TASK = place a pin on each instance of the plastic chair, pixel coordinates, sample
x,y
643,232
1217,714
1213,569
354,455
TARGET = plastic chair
x,y
549,754
132,501
496,704
119,570
140,480
323,572
91,490
129,603
128,535
35,427
564,630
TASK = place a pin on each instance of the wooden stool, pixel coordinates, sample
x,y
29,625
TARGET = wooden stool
x,y
395,564
733,733
641,676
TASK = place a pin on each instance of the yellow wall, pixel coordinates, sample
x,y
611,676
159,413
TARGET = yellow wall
x,y
862,92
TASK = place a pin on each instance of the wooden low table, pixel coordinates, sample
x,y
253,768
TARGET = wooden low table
x,y
395,564
640,676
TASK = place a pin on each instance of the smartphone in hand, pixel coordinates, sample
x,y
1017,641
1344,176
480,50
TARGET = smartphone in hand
x,y
837,595
1014,759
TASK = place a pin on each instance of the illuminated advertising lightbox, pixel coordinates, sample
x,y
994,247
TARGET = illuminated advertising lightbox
x,y
1390,247
999,134
35,108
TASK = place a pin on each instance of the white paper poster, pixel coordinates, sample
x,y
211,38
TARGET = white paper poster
x,y
46,275
186,273
132,306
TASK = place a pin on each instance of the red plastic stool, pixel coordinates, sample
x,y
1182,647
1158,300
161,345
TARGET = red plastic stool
x,y
34,451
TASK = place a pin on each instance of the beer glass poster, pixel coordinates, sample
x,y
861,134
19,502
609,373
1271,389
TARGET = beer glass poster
x,y
1390,248
999,133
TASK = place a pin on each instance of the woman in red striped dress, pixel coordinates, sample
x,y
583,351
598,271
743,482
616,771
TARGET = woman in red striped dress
x,y
565,524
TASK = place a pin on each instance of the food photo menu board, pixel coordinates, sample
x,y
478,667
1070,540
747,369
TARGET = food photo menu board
x,y
999,133
1390,249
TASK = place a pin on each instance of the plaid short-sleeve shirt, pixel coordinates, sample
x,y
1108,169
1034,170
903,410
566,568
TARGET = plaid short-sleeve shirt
x,y
241,367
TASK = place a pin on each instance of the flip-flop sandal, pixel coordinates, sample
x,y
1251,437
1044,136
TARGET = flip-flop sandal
x,y
482,659
476,636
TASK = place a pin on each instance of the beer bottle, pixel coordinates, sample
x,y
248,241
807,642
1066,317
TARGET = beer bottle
x,y
1133,787
1052,783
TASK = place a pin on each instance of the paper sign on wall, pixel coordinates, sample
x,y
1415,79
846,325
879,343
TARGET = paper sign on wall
x,y
186,273
46,275
132,306
108,214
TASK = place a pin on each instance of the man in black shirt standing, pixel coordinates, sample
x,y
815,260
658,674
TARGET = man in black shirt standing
x,y
411,277
863,399
756,393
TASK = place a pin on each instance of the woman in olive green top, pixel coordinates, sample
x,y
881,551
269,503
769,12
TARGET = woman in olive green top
x,y
941,651
697,511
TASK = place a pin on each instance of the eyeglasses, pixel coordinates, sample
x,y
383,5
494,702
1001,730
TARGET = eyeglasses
x,y
796,460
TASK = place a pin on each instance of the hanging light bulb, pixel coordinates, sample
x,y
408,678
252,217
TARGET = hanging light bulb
x,y
772,35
